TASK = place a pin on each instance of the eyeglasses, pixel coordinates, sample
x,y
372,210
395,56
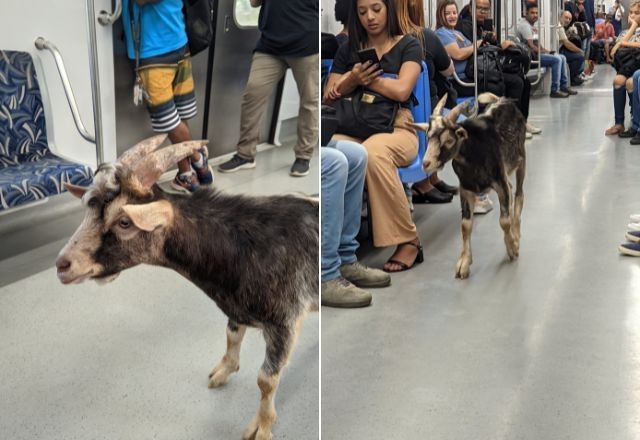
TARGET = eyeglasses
x,y
484,10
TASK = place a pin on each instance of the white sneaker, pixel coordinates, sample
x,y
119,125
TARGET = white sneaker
x,y
528,135
633,226
483,204
533,129
635,218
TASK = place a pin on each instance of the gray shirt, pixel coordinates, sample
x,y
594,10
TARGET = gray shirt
x,y
526,31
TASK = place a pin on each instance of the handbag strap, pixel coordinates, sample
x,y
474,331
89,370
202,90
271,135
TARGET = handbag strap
x,y
136,30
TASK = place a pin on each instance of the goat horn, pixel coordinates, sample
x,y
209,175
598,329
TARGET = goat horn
x,y
149,170
458,109
140,150
440,106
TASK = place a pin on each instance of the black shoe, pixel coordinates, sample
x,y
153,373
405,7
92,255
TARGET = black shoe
x,y
577,81
628,133
236,163
443,187
431,196
300,168
569,91
636,139
559,94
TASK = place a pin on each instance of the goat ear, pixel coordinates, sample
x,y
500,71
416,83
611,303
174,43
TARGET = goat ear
x,y
150,216
149,170
420,126
75,190
462,134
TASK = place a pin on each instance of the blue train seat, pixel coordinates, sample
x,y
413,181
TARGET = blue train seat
x,y
421,113
29,171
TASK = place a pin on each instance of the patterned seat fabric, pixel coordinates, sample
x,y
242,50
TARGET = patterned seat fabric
x,y
28,170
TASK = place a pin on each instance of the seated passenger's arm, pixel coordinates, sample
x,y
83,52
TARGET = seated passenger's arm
x,y
399,89
256,3
360,75
571,47
460,53
448,71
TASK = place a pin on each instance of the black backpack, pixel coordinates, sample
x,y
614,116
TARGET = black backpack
x,y
489,70
516,59
198,20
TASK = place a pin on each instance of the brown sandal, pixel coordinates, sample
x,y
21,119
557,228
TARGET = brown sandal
x,y
403,266
614,129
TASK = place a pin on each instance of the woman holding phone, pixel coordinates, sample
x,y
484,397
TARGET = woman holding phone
x,y
373,24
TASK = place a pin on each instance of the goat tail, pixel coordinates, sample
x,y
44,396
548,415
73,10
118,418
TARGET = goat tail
x,y
487,98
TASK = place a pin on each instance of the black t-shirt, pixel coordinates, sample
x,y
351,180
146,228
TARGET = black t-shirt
x,y
407,49
288,27
437,59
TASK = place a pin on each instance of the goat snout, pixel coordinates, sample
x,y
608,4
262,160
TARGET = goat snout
x,y
62,264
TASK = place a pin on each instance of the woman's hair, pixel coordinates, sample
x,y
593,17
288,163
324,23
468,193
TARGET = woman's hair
x,y
442,4
411,19
634,4
358,36
341,10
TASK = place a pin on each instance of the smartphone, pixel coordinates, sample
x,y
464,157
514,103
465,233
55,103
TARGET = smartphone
x,y
368,55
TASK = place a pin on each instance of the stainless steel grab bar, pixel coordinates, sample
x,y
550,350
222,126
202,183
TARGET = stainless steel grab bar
x,y
42,44
105,19
95,81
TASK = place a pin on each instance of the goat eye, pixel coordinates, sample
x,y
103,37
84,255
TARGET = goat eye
x,y
124,223
92,203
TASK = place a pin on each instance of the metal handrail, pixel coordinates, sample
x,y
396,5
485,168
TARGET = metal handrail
x,y
459,81
540,39
474,21
42,44
105,18
95,81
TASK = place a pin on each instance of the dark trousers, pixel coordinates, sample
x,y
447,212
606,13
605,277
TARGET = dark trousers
x,y
575,62
516,87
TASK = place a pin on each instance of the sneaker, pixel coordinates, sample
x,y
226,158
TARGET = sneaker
x,y
628,133
483,204
300,168
533,129
204,173
363,276
341,293
559,94
635,218
632,249
577,81
635,140
528,135
185,182
633,236
569,91
236,163
633,226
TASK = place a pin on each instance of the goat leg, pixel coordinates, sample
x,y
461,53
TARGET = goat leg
x,y
506,212
467,202
230,362
280,342
519,201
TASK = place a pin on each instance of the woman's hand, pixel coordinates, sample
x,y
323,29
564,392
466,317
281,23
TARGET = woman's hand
x,y
614,50
364,74
332,94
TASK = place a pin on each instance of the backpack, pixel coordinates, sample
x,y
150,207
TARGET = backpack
x,y
489,70
198,20
516,59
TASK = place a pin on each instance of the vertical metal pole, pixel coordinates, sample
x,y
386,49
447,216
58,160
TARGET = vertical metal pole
x,y
95,81
475,56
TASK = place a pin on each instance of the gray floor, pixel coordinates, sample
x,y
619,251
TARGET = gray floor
x,y
547,347
130,360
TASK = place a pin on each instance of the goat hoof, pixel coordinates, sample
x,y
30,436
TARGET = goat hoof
x,y
219,379
462,269
252,430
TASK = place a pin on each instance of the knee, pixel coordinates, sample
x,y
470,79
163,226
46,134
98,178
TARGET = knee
x,y
333,165
355,154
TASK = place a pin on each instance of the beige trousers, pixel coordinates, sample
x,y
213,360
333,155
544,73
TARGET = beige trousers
x,y
266,71
390,214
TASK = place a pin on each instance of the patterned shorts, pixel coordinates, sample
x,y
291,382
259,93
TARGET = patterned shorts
x,y
170,88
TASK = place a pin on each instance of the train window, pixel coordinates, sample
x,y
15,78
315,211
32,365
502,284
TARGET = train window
x,y
244,14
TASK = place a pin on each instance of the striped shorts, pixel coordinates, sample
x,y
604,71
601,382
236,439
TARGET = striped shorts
x,y
170,89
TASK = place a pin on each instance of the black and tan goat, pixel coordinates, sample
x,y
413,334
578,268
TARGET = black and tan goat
x,y
256,257
485,151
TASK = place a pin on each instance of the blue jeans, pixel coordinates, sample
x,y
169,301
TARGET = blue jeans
x,y
343,165
559,69
575,62
635,102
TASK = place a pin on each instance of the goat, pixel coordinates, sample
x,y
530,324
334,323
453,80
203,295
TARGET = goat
x,y
256,257
484,151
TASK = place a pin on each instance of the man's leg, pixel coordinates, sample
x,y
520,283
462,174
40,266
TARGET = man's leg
x,y
305,72
564,72
547,60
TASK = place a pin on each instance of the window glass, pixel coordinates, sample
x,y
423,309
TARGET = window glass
x,y
244,14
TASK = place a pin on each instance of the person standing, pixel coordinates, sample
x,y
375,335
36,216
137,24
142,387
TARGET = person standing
x,y
289,38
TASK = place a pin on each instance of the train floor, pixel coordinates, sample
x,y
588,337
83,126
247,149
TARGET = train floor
x,y
546,347
130,360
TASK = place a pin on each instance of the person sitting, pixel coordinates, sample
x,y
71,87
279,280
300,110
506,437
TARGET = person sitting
x,y
517,87
527,33
411,18
617,13
374,24
572,51
342,170
603,38
623,81
341,11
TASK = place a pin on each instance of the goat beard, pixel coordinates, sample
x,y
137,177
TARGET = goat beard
x,y
105,279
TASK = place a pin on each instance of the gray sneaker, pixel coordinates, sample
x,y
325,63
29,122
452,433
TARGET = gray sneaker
x,y
363,276
237,163
341,293
300,168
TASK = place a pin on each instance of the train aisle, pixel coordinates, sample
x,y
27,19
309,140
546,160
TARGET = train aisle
x,y
546,347
130,360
